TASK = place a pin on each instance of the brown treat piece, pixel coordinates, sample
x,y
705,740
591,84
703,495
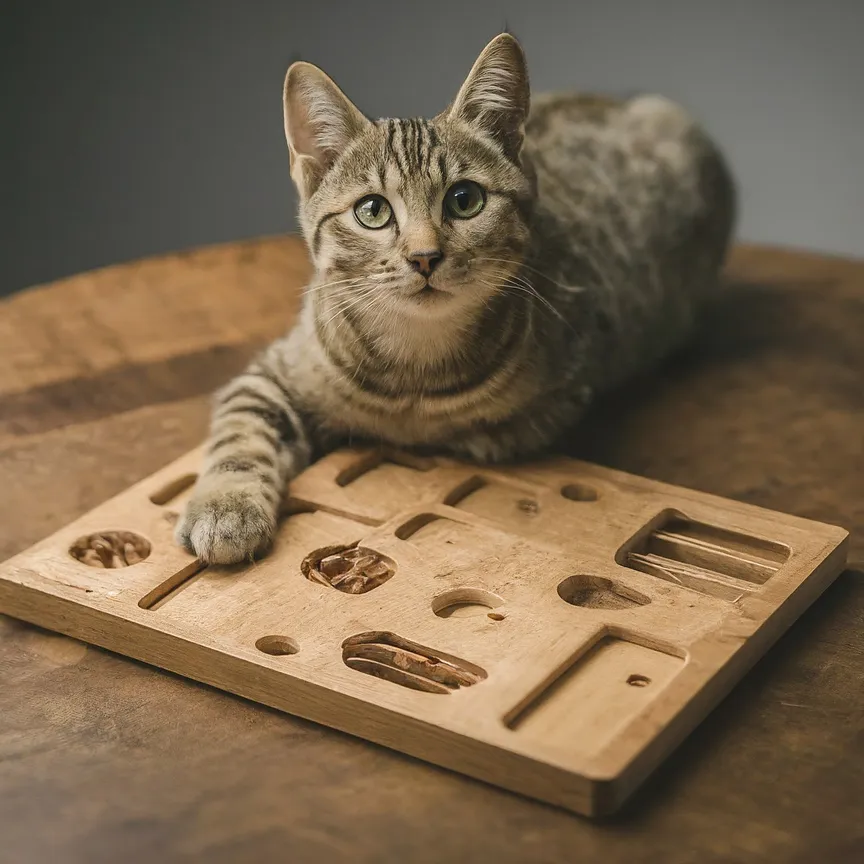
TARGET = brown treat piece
x,y
130,554
104,552
110,549
91,558
429,667
350,569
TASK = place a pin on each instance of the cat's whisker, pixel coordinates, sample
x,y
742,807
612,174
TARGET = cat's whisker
x,y
521,284
355,299
332,305
349,299
350,292
347,284
522,266
313,289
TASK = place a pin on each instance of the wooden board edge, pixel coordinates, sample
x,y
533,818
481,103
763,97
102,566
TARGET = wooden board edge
x,y
367,721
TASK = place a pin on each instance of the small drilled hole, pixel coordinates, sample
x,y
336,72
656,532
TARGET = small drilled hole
x,y
110,549
638,680
277,646
579,492
496,616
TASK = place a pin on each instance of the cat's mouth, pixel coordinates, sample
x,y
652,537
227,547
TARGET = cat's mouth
x,y
429,293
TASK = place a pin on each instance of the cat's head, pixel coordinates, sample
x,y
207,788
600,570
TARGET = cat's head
x,y
425,216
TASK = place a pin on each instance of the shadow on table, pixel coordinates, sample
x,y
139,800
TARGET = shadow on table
x,y
742,324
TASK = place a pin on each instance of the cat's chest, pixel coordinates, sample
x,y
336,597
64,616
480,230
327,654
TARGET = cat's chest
x,y
417,419
408,419
401,405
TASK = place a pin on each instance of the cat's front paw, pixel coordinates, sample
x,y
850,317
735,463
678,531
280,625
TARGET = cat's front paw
x,y
228,526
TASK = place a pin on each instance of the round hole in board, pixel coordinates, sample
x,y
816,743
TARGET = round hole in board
x,y
579,492
466,603
638,680
277,646
110,550
595,592
495,616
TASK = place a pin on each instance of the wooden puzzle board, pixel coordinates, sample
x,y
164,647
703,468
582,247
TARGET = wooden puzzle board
x,y
555,629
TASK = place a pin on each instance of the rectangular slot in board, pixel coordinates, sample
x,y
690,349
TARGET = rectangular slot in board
x,y
703,557
376,460
493,500
173,489
401,477
450,545
172,586
430,531
607,686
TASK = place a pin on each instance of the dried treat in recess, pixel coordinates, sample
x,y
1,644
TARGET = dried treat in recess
x,y
350,569
110,550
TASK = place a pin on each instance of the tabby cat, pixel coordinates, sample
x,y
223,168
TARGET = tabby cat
x,y
478,278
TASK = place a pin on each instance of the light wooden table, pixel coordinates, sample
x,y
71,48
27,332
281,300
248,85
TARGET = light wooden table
x,y
105,377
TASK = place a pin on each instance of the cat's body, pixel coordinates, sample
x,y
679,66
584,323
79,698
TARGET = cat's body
x,y
601,226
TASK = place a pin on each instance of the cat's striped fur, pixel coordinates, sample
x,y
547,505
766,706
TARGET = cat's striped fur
x,y
604,224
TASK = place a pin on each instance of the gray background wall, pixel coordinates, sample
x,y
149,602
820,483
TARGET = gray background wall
x,y
132,128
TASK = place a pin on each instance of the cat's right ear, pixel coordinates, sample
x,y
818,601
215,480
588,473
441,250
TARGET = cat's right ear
x,y
320,121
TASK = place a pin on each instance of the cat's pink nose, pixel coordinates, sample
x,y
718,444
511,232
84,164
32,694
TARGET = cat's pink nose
x,y
425,262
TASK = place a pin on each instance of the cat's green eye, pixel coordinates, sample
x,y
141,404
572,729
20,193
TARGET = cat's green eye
x,y
373,211
464,200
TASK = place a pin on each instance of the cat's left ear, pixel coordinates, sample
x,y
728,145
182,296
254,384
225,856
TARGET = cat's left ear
x,y
320,122
495,96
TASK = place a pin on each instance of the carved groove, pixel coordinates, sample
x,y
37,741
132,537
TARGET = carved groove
x,y
388,656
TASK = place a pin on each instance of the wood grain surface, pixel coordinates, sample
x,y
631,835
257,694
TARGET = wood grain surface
x,y
105,377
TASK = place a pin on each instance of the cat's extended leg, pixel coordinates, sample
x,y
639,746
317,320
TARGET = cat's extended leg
x,y
258,442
